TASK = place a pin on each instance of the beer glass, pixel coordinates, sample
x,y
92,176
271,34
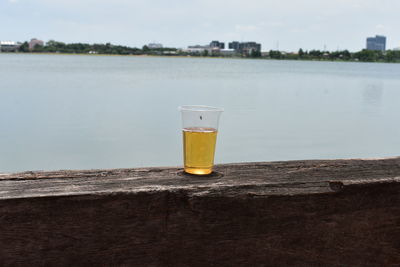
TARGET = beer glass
x,y
200,127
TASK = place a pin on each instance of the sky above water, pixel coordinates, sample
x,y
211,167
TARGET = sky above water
x,y
284,24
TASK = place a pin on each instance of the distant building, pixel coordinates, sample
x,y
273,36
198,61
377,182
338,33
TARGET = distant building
x,y
9,46
169,52
396,49
154,46
377,43
217,44
34,42
245,47
248,47
214,48
197,48
234,45
227,52
218,48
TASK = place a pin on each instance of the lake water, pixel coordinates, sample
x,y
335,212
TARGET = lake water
x,y
84,112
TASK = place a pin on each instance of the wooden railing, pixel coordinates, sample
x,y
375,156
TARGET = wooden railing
x,y
300,213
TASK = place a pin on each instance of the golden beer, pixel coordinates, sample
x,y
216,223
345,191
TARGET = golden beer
x,y
198,149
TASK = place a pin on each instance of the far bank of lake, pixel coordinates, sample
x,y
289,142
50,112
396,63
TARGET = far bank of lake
x,y
389,56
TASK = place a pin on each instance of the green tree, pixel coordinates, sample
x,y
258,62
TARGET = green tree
x,y
24,47
275,54
315,54
255,53
366,55
145,49
301,53
38,48
346,55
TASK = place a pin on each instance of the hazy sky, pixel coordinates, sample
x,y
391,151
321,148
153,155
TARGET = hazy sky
x,y
291,24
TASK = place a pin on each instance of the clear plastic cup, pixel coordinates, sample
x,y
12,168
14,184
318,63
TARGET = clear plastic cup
x,y
200,128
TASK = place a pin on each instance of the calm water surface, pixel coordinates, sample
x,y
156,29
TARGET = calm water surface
x,y
83,112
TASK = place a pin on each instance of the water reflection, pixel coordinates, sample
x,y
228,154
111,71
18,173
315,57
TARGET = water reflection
x,y
372,96
373,92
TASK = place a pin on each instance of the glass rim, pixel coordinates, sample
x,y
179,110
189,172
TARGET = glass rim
x,y
199,108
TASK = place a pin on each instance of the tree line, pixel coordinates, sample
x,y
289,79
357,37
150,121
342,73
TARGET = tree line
x,y
108,48
344,55
83,48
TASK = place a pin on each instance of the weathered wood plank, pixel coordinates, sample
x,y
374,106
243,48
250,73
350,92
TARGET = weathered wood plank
x,y
317,212
291,177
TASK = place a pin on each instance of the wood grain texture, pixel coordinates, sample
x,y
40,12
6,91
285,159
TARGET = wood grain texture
x,y
294,213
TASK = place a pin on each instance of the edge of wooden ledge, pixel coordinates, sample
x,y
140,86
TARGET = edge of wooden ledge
x,y
38,174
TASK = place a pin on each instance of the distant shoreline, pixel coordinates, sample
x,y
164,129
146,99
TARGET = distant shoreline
x,y
250,50
196,56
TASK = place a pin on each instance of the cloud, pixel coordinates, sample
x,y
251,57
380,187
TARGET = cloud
x,y
246,28
379,27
